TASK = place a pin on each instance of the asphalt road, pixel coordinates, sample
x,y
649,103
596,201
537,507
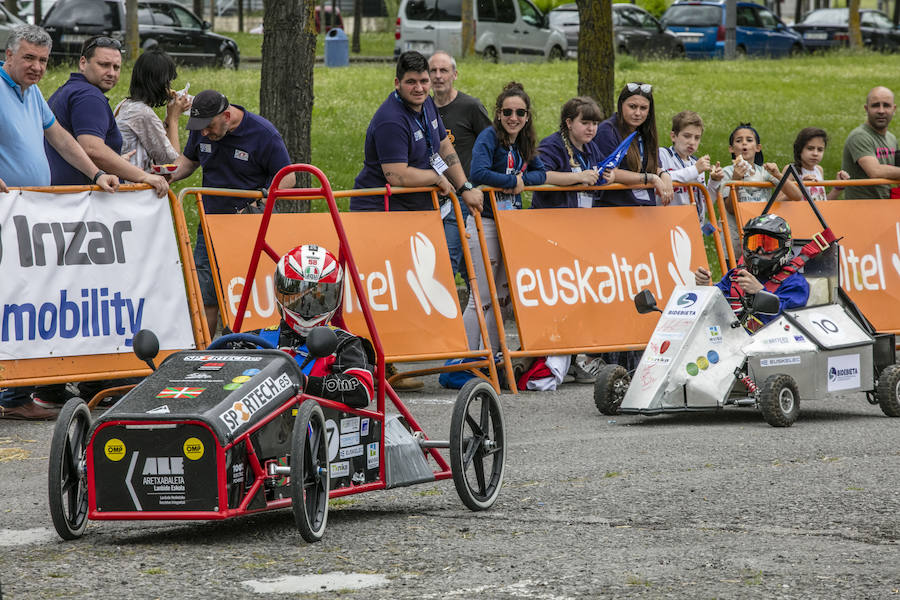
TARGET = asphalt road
x,y
684,506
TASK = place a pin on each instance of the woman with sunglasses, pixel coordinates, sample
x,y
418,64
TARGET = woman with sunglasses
x,y
505,157
142,131
634,113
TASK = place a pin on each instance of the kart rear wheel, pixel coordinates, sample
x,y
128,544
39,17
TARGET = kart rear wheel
x,y
309,471
888,391
67,478
610,387
779,401
477,444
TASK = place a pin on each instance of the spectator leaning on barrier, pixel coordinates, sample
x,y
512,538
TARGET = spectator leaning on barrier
x,y
572,156
464,117
634,112
25,122
407,146
83,110
679,161
505,156
238,150
142,131
870,149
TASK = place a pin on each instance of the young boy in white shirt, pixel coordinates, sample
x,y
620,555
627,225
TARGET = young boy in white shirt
x,y
678,159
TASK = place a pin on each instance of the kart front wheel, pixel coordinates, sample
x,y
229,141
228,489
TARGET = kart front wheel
x,y
309,471
610,387
477,444
67,479
779,401
888,391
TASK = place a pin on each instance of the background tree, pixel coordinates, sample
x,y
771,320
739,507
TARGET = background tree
x,y
132,39
468,29
357,26
286,94
11,6
596,57
855,32
198,8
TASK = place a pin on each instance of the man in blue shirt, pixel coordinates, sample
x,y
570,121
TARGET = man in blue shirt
x,y
83,110
766,264
25,121
238,150
407,146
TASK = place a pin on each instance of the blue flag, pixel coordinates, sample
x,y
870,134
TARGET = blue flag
x,y
615,159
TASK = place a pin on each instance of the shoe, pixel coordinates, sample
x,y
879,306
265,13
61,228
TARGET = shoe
x,y
403,385
28,412
47,404
586,371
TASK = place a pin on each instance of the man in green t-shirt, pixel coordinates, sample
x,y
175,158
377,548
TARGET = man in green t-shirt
x,y
870,149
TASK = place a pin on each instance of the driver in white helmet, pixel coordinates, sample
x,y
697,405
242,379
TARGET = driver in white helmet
x,y
309,282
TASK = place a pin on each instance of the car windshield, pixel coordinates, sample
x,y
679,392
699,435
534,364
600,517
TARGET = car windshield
x,y
827,16
693,15
558,18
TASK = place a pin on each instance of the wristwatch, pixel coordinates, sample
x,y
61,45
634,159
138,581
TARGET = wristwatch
x,y
467,186
100,173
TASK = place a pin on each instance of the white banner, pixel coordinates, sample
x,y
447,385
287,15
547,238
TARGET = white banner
x,y
82,273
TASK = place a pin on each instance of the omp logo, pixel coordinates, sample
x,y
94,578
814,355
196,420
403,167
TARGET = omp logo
x,y
193,448
114,450
680,270
834,373
686,300
429,291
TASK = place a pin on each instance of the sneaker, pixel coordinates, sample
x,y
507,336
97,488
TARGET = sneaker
x,y
403,385
46,404
586,371
28,412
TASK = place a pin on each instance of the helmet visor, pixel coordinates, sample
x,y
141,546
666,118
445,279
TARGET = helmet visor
x,y
760,242
309,299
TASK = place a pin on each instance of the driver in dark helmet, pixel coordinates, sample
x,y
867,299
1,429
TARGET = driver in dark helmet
x,y
309,283
766,264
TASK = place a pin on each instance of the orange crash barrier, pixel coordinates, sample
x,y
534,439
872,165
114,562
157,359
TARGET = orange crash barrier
x,y
78,330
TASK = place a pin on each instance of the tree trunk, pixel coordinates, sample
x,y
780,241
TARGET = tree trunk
x,y
896,12
198,9
596,57
468,29
132,39
358,25
322,28
286,94
855,32
11,6
241,16
798,10
212,14
38,12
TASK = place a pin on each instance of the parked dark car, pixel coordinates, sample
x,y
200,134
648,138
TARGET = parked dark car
x,y
701,26
162,23
827,28
636,31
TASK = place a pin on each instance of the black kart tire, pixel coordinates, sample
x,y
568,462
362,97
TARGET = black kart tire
x,y
610,387
888,391
66,479
779,400
310,472
477,445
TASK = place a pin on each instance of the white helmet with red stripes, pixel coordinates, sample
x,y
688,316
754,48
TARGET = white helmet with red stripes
x,y
309,282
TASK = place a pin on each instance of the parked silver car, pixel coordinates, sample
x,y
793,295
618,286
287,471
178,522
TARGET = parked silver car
x,y
504,29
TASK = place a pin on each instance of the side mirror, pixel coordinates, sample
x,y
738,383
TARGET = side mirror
x,y
321,341
206,25
146,346
645,302
765,303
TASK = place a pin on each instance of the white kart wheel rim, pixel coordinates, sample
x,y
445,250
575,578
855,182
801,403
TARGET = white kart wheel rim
x,y
786,400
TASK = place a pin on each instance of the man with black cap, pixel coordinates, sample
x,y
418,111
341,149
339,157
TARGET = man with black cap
x,y
238,150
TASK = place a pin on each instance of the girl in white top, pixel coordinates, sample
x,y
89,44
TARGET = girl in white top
x,y
809,147
142,130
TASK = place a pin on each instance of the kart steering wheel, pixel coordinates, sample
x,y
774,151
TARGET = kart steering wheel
x,y
221,342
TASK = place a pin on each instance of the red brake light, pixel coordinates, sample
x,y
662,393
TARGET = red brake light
x,y
397,30
720,33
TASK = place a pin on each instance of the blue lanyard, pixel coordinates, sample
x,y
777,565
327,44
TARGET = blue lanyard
x,y
421,120
581,160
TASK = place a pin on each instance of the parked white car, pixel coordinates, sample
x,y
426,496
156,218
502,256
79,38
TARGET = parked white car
x,y
505,30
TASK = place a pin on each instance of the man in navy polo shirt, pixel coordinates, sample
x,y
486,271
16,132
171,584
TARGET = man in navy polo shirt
x,y
238,150
407,146
83,110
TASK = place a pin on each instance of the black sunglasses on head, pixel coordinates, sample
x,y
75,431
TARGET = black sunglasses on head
x,y
101,42
520,112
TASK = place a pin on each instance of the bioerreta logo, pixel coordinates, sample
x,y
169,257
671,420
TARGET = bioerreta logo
x,y
686,300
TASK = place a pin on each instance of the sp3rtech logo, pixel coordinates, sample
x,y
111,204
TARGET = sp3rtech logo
x,y
686,300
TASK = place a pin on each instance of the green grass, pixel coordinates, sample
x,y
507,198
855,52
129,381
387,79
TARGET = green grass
x,y
779,97
370,44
